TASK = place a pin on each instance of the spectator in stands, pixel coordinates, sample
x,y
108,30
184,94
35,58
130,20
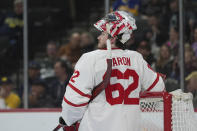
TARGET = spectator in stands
x,y
131,6
33,75
194,41
175,74
57,87
38,96
87,42
171,16
173,41
190,22
155,33
174,18
34,72
151,7
71,51
8,98
145,49
11,28
190,63
51,55
47,63
12,23
192,86
164,62
190,60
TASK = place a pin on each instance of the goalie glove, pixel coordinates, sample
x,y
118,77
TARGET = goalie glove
x,y
62,124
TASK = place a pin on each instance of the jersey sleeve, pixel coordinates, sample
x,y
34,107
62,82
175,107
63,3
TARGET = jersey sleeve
x,y
151,80
78,91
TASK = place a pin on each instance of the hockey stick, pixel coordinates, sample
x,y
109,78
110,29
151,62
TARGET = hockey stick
x,y
66,128
57,128
100,87
59,125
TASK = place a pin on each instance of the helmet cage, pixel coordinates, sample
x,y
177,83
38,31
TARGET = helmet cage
x,y
116,23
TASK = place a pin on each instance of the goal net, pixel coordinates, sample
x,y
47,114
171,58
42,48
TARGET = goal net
x,y
162,111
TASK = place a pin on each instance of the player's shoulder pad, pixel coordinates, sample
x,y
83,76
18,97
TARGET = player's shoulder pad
x,y
134,53
90,54
86,58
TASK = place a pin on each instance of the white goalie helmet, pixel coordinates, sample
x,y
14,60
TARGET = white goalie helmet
x,y
117,23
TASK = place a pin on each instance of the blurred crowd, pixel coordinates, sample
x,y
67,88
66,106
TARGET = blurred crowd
x,y
50,68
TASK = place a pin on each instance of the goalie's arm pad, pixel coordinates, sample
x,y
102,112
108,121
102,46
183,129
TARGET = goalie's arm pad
x,y
78,91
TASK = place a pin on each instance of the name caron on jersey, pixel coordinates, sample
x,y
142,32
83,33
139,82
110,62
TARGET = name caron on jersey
x,y
121,61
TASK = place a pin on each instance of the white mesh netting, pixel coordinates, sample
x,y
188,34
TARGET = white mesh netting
x,y
152,114
181,114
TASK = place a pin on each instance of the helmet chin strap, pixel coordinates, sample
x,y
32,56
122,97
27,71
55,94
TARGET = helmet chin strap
x,y
108,42
109,49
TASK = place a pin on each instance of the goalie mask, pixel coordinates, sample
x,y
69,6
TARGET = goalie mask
x,y
117,23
